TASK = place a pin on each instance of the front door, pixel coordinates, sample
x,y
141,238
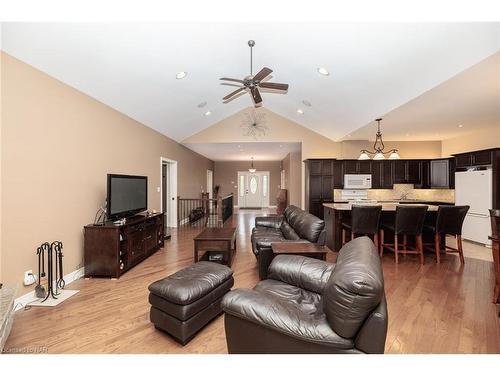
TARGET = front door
x,y
253,189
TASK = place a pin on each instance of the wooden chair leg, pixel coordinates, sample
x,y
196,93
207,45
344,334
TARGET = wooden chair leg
x,y
381,242
343,236
437,247
375,239
460,250
396,249
405,242
419,245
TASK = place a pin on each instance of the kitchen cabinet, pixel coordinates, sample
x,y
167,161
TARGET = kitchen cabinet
x,y
377,174
381,171
476,158
320,181
399,171
414,172
338,174
440,174
350,166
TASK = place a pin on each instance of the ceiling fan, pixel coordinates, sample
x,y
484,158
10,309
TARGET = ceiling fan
x,y
253,83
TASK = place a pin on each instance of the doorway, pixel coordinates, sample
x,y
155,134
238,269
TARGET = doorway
x,y
168,193
253,189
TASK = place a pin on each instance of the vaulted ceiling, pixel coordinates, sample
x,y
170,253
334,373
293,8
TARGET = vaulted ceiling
x,y
374,67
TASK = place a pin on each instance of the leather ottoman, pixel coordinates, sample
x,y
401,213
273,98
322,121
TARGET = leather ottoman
x,y
183,303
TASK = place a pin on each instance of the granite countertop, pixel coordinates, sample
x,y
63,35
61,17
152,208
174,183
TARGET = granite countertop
x,y
385,206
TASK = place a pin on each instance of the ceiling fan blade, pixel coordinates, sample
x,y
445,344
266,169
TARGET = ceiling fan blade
x,y
257,99
264,72
233,93
274,86
232,80
230,84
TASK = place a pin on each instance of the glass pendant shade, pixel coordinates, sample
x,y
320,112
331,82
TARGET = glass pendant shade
x,y
252,169
364,156
379,156
394,155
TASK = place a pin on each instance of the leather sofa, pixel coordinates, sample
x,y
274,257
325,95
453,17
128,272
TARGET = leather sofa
x,y
295,225
311,306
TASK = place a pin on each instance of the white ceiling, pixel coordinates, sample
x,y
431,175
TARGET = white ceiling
x,y
245,150
375,67
465,103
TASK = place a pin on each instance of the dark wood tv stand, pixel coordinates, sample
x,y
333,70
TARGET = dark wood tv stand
x,y
111,250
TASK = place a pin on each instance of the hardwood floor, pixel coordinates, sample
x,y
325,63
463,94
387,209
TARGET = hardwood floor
x,y
442,308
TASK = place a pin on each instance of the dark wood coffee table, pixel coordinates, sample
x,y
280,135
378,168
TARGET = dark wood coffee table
x,y
216,240
311,250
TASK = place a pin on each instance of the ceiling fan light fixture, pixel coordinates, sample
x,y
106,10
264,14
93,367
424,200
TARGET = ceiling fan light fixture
x,y
300,111
323,71
208,113
181,75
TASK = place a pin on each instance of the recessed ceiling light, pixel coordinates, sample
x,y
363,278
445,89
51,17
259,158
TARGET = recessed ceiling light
x,y
181,75
202,104
300,112
208,113
460,126
407,134
307,103
323,71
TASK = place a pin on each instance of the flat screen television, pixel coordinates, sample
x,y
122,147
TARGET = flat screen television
x,y
127,195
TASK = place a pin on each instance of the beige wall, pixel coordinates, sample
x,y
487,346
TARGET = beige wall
x,y
406,149
226,176
478,140
57,147
292,164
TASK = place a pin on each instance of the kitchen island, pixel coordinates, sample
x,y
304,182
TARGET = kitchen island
x,y
335,213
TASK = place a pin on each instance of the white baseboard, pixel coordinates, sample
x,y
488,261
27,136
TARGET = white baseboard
x,y
22,301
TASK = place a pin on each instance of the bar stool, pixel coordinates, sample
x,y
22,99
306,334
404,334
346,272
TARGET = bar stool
x,y
364,221
449,221
409,221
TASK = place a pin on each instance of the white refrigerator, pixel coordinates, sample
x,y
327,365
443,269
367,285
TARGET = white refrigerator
x,y
474,188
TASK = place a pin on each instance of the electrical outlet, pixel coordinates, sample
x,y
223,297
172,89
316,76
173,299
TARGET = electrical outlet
x,y
29,278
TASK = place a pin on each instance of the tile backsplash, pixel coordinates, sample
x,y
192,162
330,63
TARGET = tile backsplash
x,y
406,191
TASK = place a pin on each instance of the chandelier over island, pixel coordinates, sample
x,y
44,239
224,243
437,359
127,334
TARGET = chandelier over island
x,y
378,148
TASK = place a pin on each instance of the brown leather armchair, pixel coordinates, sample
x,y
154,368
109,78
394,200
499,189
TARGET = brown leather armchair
x,y
295,225
311,306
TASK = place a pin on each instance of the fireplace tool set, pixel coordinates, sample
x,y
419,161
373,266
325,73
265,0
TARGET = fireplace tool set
x,y
55,276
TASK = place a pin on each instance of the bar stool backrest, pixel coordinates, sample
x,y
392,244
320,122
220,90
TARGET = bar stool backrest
x,y
450,219
409,219
495,223
365,219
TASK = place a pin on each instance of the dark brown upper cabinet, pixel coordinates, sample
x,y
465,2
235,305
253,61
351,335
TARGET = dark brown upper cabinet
x,y
381,174
350,166
414,172
365,167
315,167
399,171
338,174
474,159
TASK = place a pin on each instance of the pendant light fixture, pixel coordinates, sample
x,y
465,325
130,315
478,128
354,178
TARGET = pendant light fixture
x,y
378,148
252,169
